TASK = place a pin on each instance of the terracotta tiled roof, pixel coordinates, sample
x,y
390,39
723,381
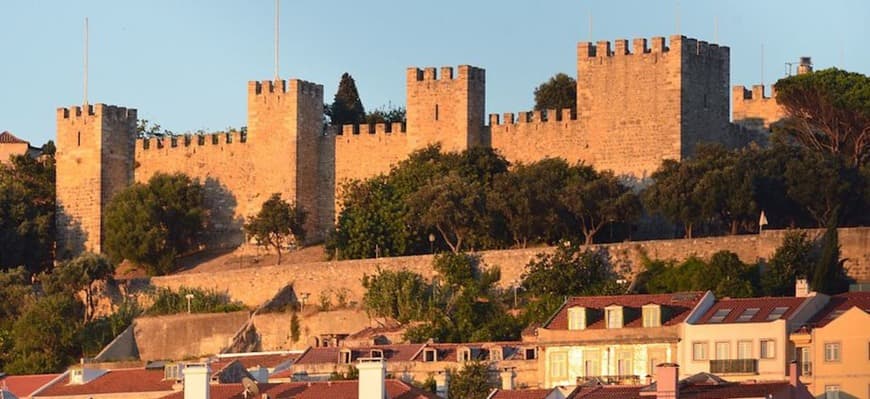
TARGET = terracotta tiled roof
x,y
9,138
522,394
679,305
734,390
114,381
270,360
24,385
303,390
839,304
394,353
746,307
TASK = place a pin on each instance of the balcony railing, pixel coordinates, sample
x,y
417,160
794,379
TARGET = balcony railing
x,y
725,366
610,379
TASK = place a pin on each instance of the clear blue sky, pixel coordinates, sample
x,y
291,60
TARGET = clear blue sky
x,y
185,64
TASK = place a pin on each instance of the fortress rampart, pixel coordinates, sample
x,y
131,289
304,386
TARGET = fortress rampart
x,y
753,108
637,104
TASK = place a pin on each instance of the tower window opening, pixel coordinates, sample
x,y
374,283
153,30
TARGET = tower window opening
x,y
436,112
79,139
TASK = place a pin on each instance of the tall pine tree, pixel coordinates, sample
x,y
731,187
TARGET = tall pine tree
x,y
829,277
347,108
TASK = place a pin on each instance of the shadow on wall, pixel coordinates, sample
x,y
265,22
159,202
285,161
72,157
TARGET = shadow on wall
x,y
71,237
224,228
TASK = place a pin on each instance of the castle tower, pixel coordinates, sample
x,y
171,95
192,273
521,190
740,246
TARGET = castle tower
x,y
285,123
649,103
447,109
94,161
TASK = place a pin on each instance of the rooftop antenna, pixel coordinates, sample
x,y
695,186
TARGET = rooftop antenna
x,y
85,56
678,16
716,28
762,64
277,12
590,26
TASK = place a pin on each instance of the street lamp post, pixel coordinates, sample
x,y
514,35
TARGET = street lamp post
x,y
431,243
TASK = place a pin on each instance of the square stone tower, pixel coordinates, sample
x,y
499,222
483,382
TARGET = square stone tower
x,y
447,109
95,147
649,103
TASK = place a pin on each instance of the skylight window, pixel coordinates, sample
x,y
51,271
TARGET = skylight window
x,y
719,315
836,314
777,312
748,314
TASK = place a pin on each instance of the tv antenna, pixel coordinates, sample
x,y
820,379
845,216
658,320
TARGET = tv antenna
x,y
85,59
251,387
788,68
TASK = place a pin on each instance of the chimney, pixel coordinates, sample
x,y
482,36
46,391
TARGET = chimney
x,y
196,381
801,288
83,375
667,381
507,379
372,374
794,374
442,383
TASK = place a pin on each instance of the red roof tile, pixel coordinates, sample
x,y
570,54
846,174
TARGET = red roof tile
x,y
9,138
839,304
608,392
24,385
303,390
395,353
270,360
734,390
114,381
522,394
680,305
237,391
738,306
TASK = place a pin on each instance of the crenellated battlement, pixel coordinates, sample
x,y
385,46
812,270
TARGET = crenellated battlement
x,y
297,86
465,72
528,117
189,140
655,45
111,112
741,93
370,129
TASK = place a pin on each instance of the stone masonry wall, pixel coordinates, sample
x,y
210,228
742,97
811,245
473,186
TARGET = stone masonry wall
x,y
255,286
445,108
753,109
705,73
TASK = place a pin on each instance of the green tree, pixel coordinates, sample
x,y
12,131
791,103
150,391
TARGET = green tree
x,y
371,222
673,196
825,187
79,275
151,224
27,211
794,258
402,295
454,206
386,115
724,274
471,382
346,108
277,225
829,111
829,277
595,199
46,335
15,295
558,93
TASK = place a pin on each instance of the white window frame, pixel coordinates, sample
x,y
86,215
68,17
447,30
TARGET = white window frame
x,y
838,351
767,348
558,365
703,355
652,315
727,349
746,353
576,318
613,316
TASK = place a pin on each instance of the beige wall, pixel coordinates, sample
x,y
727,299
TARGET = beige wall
x,y
7,150
753,109
732,333
563,364
852,372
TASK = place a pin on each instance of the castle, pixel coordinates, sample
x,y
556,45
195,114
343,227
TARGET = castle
x,y
638,103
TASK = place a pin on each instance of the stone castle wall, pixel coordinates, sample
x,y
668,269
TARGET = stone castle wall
x,y
753,109
256,286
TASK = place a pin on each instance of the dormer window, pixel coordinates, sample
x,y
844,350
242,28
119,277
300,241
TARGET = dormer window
x,y
576,318
495,353
344,356
430,355
613,316
652,316
463,355
376,354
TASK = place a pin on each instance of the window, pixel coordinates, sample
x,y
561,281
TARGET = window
x,y
436,112
699,351
719,315
495,353
723,350
832,352
79,139
591,363
656,357
748,314
576,318
744,349
623,364
777,312
430,355
377,354
559,365
768,348
531,354
832,391
652,316
463,355
614,317
344,357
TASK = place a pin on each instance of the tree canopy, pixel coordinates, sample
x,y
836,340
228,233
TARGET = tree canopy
x,y
558,93
277,225
151,224
829,112
346,108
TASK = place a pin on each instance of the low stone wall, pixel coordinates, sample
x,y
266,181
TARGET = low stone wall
x,y
254,286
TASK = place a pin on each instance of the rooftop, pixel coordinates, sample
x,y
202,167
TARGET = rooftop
x,y
9,138
113,381
24,385
751,310
680,305
309,390
839,304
